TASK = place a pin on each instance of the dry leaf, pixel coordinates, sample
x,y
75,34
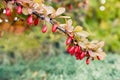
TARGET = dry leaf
x,y
60,11
64,17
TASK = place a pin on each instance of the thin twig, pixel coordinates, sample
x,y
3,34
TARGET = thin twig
x,y
51,21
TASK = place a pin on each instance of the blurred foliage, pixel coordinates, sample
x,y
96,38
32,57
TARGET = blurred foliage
x,y
101,18
20,54
27,40
29,45
1,5
103,25
62,67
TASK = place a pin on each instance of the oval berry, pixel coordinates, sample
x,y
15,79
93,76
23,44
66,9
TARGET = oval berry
x,y
82,55
36,21
70,6
87,61
8,12
92,58
71,35
68,41
19,9
44,28
98,57
54,27
30,19
77,49
71,49
77,55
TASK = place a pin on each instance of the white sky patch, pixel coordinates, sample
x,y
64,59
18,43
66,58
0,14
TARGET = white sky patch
x,y
6,20
102,8
1,20
4,11
103,1
16,18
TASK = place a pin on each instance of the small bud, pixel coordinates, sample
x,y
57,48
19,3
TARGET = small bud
x,y
44,28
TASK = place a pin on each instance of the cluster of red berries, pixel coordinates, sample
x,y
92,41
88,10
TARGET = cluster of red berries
x,y
44,27
30,19
18,10
78,52
54,28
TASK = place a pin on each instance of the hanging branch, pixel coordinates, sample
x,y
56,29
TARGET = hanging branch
x,y
77,41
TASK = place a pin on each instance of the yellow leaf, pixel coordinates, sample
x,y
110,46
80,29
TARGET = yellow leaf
x,y
78,29
38,1
35,74
104,25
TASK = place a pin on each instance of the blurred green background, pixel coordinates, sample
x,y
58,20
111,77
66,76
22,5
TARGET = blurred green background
x,y
37,56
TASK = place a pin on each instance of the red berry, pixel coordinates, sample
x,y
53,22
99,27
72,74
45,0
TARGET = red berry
x,y
71,49
19,9
77,49
78,5
30,20
87,61
98,57
71,35
44,28
8,12
54,27
89,53
92,58
36,21
82,55
70,6
77,55
68,41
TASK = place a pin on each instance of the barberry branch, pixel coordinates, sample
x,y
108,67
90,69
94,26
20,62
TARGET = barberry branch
x,y
77,39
